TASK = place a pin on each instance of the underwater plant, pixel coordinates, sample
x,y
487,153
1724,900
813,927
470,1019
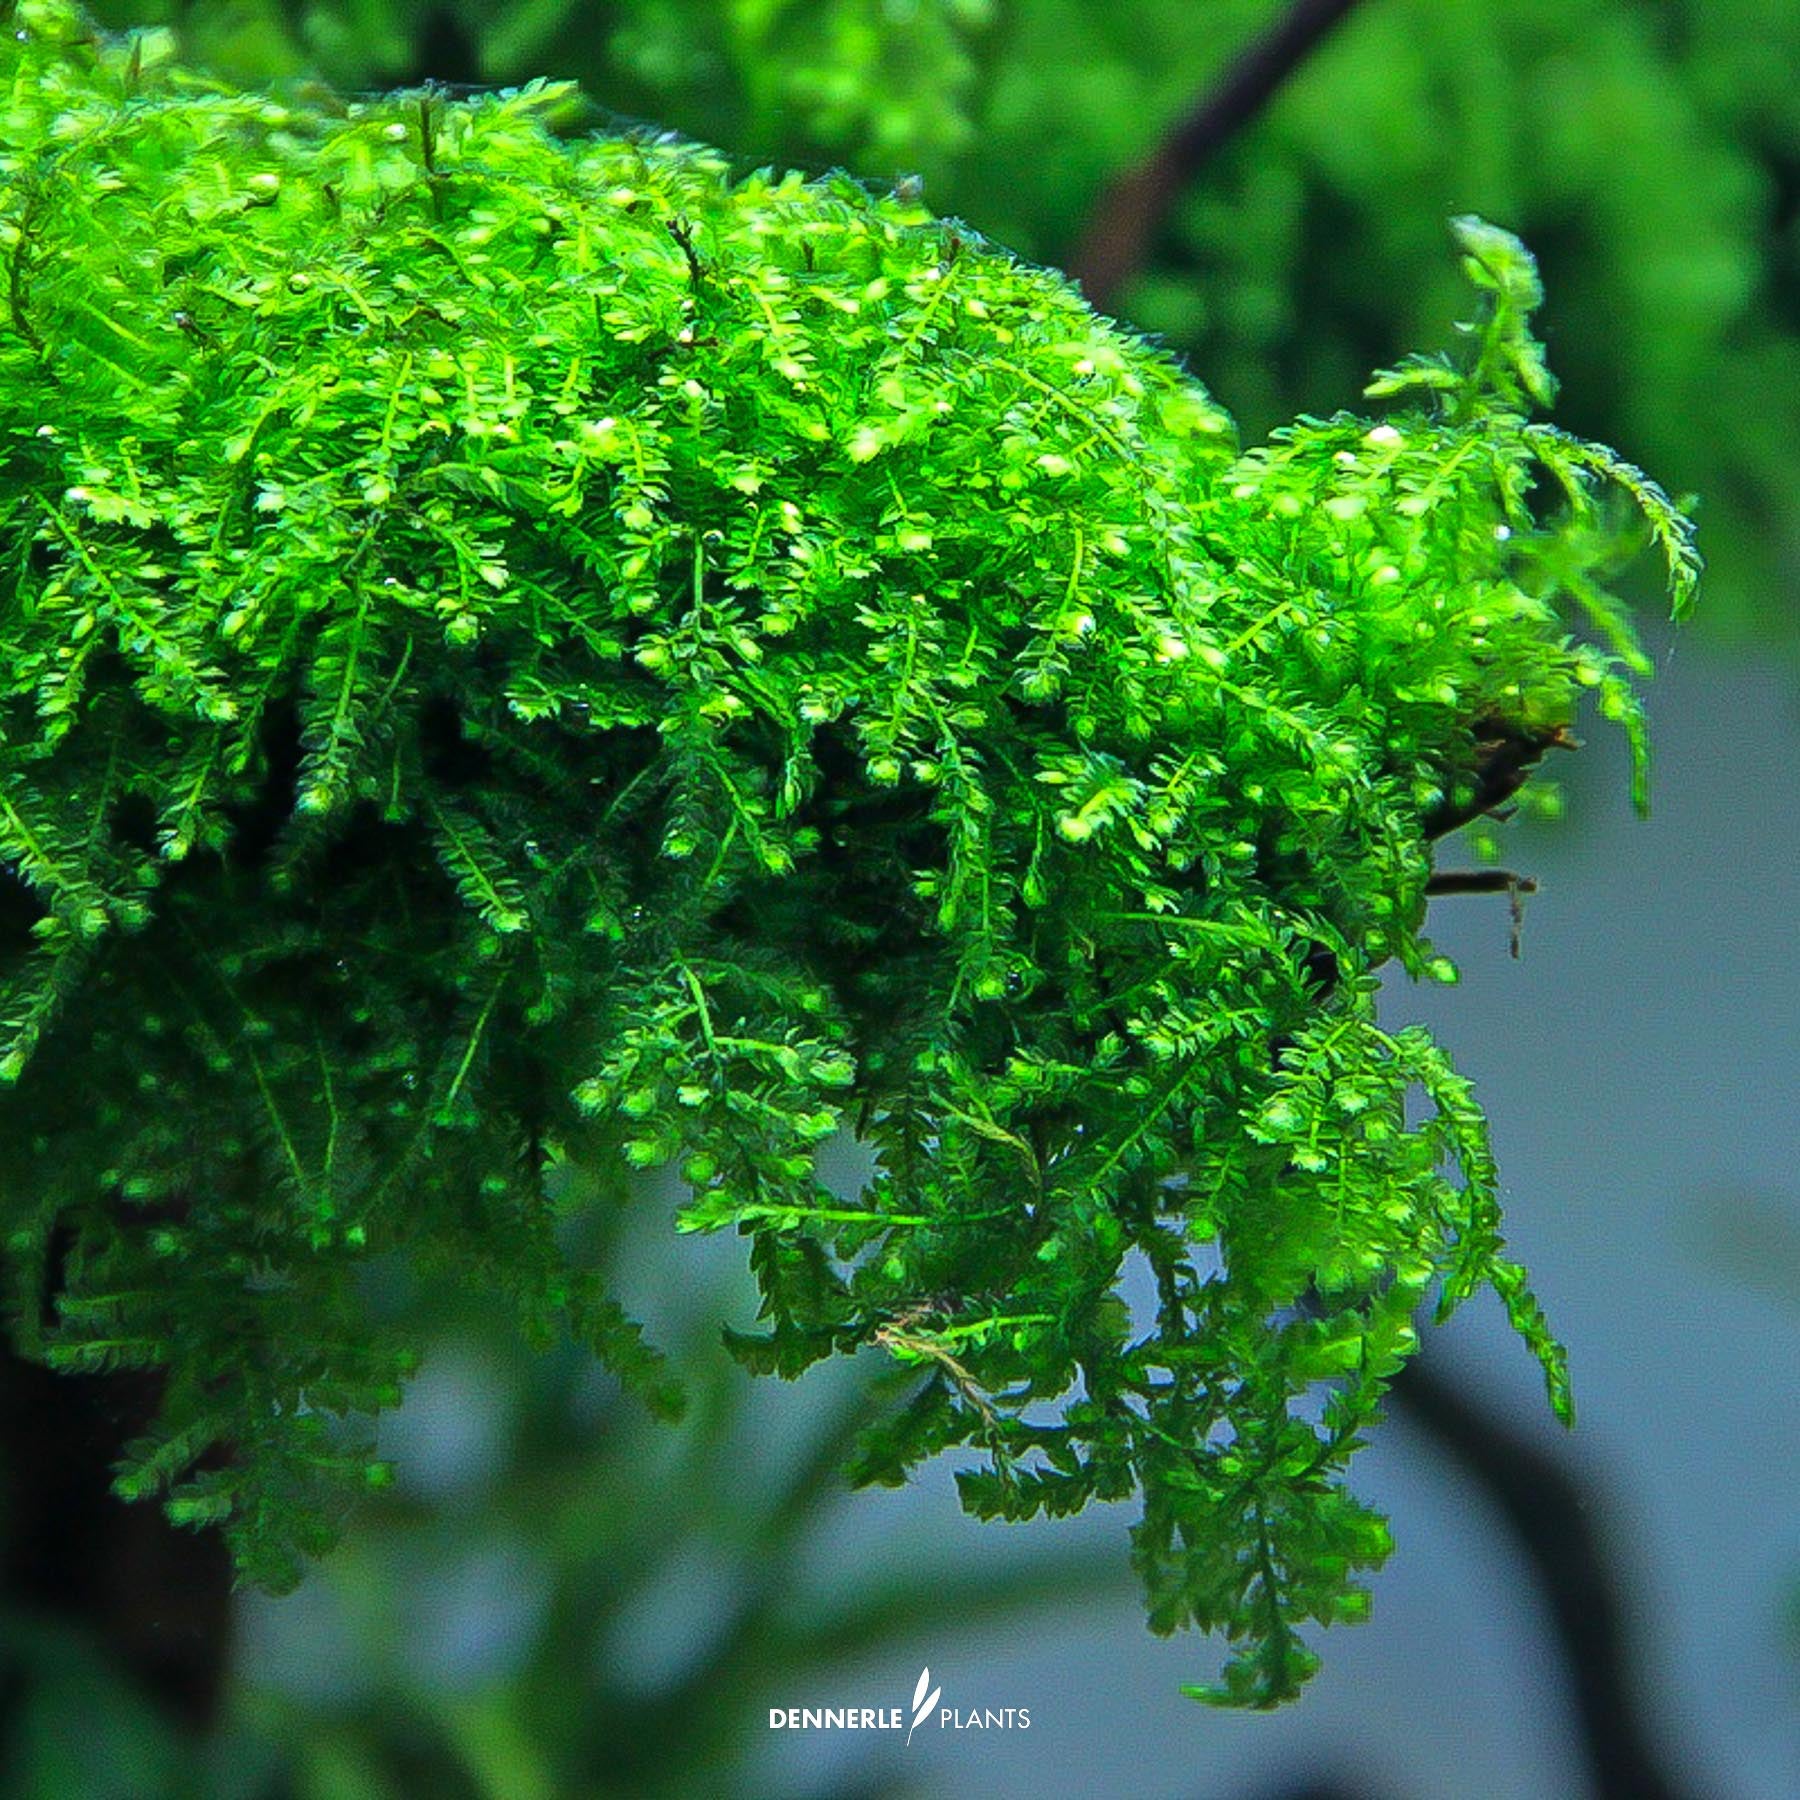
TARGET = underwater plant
x,y
526,652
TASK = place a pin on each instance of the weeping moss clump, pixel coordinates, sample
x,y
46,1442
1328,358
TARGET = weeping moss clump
x,y
522,652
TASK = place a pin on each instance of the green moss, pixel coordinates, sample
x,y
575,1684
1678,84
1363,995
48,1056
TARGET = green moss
x,y
526,652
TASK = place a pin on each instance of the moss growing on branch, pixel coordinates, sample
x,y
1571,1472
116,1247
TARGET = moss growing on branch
x,y
524,651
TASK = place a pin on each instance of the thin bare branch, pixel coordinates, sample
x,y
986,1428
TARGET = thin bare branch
x,y
1129,213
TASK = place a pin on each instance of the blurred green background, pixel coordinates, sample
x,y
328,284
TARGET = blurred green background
x,y
561,1599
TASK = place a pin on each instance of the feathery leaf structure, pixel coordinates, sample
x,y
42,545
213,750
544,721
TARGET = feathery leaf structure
x,y
523,651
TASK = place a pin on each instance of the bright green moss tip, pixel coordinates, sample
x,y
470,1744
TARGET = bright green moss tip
x,y
521,651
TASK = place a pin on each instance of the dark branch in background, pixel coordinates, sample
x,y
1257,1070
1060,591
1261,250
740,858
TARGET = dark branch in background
x,y
155,1598
1505,755
1130,212
443,52
1480,881
1488,881
1551,1517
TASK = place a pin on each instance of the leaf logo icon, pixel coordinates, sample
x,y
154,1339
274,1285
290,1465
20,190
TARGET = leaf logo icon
x,y
922,1702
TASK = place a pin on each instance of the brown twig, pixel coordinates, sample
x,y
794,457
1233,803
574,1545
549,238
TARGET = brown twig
x,y
926,1348
683,234
1130,211
1505,755
1488,881
1480,881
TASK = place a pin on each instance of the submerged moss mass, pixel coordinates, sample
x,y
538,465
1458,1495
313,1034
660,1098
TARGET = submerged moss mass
x,y
521,651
